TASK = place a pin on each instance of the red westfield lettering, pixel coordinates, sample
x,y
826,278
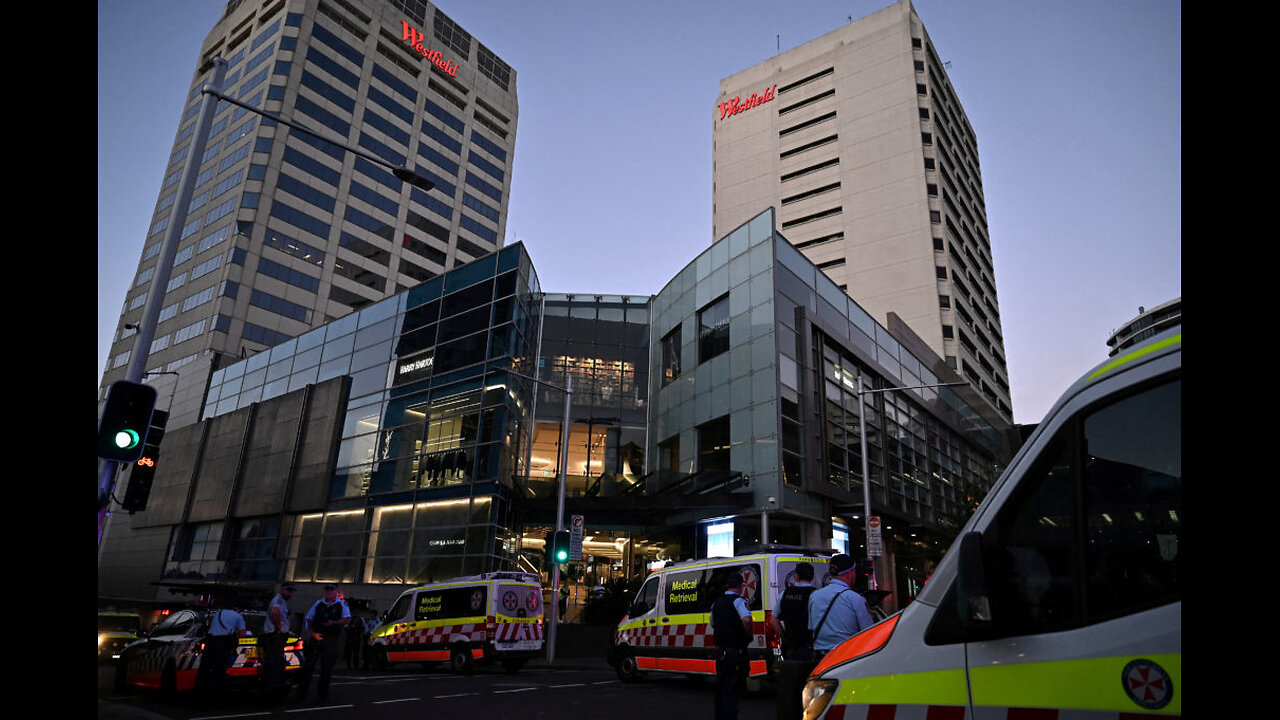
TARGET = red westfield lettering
x,y
413,37
729,108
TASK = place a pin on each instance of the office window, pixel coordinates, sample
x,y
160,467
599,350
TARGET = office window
x,y
713,329
671,355
713,445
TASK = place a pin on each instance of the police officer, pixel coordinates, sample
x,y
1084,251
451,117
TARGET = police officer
x,y
225,628
325,621
731,625
275,631
792,623
792,619
837,612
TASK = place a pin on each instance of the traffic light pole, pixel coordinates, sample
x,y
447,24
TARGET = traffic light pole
x,y
164,268
564,474
554,610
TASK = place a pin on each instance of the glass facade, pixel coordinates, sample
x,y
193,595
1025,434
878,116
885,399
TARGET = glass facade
x,y
434,424
599,344
766,386
440,414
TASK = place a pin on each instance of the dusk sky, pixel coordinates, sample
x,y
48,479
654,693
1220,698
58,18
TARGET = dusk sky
x,y
1076,104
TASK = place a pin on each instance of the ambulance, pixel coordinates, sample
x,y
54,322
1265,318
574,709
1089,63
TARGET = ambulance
x,y
1062,596
491,617
667,629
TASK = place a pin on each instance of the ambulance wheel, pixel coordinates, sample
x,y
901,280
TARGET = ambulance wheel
x,y
460,660
628,669
512,665
754,685
379,661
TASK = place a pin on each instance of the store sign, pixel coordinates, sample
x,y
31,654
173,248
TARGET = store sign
x,y
413,37
729,108
415,367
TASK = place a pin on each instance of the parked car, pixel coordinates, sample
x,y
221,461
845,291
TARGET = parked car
x,y
167,658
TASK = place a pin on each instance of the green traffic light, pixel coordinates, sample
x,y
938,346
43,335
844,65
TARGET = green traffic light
x,y
126,439
562,555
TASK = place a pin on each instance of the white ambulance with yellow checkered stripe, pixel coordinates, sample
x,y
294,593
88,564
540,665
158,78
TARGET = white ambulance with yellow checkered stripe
x,y
667,628
491,617
1062,597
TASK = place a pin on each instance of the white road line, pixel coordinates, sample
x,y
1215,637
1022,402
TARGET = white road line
x,y
323,707
235,715
500,692
384,702
604,682
442,697
569,685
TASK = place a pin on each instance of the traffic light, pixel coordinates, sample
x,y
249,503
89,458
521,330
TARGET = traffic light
x,y
560,547
144,468
122,429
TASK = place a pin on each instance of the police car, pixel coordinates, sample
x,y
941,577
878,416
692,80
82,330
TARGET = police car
x,y
490,617
167,658
1062,596
667,629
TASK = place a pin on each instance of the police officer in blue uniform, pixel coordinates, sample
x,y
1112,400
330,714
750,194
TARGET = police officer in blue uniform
x,y
325,621
731,625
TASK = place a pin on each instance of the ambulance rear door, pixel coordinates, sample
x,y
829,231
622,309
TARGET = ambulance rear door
x,y
517,617
1072,577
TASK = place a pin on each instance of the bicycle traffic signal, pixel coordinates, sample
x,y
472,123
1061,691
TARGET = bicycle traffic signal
x,y
144,468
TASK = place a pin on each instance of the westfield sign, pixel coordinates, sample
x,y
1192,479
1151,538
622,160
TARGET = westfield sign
x,y
729,108
413,37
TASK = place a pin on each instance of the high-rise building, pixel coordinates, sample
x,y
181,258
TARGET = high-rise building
x,y
1147,324
859,139
285,232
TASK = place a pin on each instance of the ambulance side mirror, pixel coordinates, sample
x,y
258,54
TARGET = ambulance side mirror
x,y
972,594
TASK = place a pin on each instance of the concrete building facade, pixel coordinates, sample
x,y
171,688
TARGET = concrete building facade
x,y
860,141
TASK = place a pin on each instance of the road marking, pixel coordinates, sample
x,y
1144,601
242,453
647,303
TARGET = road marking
x,y
384,702
324,707
569,685
235,715
442,697
604,682
527,689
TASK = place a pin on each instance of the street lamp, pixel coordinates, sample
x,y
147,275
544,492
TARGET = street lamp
x,y
146,327
866,474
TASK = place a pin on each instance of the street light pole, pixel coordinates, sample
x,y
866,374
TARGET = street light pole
x,y
212,92
866,475
164,268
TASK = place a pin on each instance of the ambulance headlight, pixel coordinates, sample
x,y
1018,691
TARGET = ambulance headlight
x,y
817,695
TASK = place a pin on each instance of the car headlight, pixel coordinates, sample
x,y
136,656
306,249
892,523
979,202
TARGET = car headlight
x,y
817,695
